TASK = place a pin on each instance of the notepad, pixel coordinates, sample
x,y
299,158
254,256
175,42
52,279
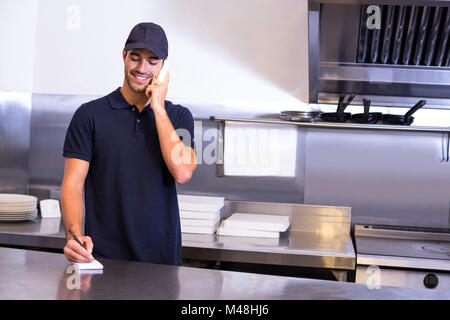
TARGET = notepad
x,y
93,265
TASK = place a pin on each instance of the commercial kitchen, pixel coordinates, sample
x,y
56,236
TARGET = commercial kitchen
x,y
330,115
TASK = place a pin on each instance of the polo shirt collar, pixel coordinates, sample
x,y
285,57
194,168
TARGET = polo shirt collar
x,y
117,101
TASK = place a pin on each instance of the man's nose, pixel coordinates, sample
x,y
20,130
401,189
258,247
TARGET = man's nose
x,y
141,67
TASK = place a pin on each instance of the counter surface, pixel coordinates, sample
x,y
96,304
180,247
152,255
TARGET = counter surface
x,y
27,274
296,248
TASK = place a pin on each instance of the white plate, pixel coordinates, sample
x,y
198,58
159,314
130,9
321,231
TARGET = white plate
x,y
18,209
18,218
15,197
13,200
19,214
18,204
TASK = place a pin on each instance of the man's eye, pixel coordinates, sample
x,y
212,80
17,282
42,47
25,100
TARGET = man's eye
x,y
153,63
134,59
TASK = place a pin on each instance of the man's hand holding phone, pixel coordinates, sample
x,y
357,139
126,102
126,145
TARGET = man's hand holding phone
x,y
157,89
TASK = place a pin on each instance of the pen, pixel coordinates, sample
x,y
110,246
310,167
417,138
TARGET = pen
x,y
76,239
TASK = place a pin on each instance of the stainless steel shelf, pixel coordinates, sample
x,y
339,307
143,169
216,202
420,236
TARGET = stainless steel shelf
x,y
332,125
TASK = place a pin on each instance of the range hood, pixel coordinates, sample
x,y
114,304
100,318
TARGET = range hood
x,y
406,57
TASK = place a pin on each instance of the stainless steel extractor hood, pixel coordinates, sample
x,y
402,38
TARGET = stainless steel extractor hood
x,y
405,57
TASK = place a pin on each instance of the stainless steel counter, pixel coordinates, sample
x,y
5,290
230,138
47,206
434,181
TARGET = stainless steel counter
x,y
26,274
298,248
295,248
40,233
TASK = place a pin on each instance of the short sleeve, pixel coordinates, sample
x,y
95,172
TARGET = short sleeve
x,y
185,127
79,137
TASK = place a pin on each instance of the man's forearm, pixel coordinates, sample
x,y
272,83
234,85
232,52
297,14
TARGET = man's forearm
x,y
72,209
183,164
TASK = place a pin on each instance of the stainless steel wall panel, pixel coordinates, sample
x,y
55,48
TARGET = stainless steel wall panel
x,y
387,178
15,113
339,27
50,117
313,49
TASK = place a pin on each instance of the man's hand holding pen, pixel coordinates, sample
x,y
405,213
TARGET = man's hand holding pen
x,y
79,248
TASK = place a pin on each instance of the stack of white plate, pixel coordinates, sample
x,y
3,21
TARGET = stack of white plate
x,y
254,225
200,214
17,207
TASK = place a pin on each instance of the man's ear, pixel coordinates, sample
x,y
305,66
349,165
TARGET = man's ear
x,y
124,54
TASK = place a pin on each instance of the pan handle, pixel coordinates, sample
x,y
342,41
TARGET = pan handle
x,y
347,103
365,118
340,103
342,107
416,107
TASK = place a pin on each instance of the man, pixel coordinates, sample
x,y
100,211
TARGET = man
x,y
124,150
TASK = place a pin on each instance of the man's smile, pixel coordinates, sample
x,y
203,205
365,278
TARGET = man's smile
x,y
140,78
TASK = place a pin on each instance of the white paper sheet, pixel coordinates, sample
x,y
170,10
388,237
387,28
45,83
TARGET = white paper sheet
x,y
259,149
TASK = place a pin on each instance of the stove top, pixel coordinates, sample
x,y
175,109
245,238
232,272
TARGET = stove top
x,y
403,242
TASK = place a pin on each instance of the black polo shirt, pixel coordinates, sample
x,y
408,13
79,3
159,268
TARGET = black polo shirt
x,y
131,202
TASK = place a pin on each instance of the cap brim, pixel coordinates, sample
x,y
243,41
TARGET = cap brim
x,y
143,45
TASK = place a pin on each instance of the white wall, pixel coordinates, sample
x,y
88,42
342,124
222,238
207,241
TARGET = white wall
x,y
17,32
234,51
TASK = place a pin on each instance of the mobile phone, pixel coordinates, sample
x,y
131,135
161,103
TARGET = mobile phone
x,y
163,72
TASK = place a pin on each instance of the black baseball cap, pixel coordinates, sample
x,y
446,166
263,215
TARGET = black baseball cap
x,y
150,36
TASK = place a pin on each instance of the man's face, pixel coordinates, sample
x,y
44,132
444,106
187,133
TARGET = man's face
x,y
141,66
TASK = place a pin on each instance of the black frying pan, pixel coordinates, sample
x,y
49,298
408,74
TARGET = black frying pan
x,y
405,120
367,117
339,115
